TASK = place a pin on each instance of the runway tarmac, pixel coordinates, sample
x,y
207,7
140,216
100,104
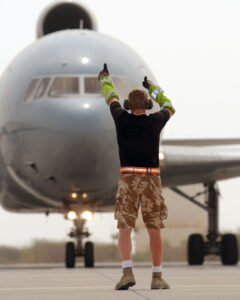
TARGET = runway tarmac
x,y
210,281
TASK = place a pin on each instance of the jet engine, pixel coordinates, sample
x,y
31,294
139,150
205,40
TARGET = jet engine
x,y
65,15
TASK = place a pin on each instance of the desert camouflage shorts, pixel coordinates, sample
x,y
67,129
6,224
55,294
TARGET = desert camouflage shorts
x,y
134,189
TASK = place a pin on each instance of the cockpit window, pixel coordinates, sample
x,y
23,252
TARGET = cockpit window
x,y
59,86
64,86
92,85
123,86
42,87
30,90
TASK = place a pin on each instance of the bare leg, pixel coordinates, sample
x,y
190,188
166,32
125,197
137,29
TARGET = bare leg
x,y
155,245
125,243
125,248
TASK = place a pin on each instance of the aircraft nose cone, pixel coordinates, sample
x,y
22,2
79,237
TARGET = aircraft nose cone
x,y
77,114
81,142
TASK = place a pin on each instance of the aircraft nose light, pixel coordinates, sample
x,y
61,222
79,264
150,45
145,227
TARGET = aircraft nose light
x,y
161,155
85,60
74,195
71,215
86,105
84,195
87,215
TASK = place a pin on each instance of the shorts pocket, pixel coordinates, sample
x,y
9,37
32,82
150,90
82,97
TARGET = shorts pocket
x,y
117,206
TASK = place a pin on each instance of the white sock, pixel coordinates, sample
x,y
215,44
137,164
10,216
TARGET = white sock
x,y
126,263
157,268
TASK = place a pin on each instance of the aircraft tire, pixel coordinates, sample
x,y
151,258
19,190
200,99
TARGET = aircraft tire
x,y
229,249
70,255
195,249
89,255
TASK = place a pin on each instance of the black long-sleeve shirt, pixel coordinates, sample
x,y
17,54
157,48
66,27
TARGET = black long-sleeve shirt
x,y
138,136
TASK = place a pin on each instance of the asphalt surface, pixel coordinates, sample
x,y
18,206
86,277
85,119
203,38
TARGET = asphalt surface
x,y
210,281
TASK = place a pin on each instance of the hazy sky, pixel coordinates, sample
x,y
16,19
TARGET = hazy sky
x,y
193,48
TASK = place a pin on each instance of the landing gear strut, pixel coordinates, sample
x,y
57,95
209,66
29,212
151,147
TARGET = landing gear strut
x,y
223,245
71,251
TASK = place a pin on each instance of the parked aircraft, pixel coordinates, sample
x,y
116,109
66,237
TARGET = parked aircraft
x,y
58,147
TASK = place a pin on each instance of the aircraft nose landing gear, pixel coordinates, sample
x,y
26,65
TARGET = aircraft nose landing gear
x,y
71,251
223,245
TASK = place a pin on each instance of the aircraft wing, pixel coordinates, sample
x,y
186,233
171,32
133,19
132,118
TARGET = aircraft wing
x,y
199,161
200,142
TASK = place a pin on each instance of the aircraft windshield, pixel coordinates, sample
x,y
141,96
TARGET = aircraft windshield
x,y
60,86
92,85
30,90
122,85
64,86
42,88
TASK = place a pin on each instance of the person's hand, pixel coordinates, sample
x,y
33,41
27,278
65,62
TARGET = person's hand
x,y
104,72
146,83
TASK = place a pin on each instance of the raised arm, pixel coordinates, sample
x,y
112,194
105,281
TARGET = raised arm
x,y
107,86
156,94
110,93
112,100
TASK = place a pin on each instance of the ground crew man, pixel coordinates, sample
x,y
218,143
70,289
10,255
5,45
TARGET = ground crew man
x,y
140,182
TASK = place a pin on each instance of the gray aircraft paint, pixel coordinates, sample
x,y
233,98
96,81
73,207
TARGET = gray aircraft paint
x,y
57,138
58,135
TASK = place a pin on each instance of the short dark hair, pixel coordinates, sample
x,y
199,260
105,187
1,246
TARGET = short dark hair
x,y
137,99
